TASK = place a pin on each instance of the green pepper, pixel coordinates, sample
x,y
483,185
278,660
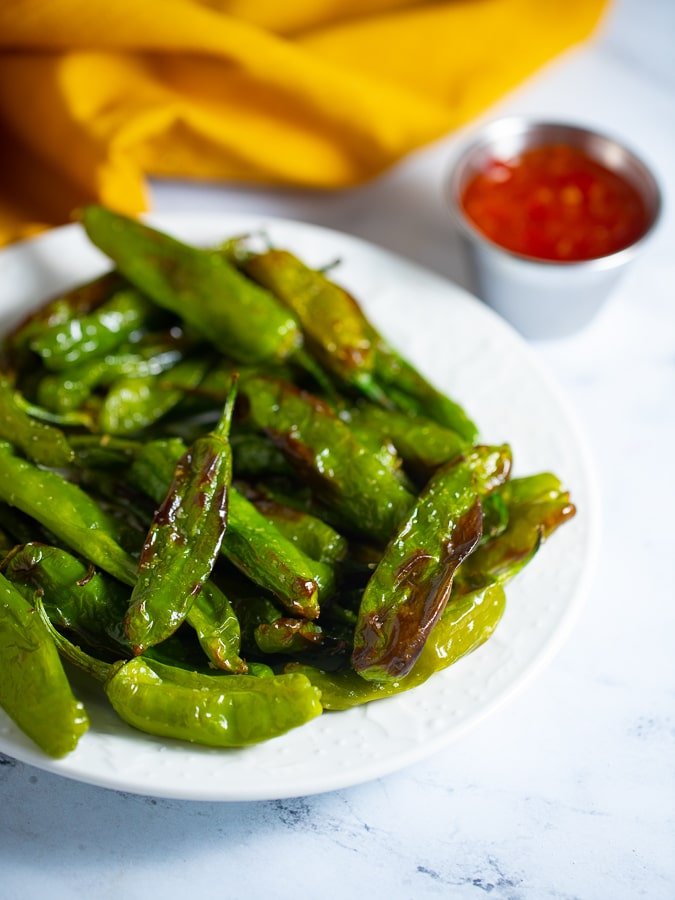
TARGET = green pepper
x,y
421,442
286,635
76,302
184,539
408,591
241,319
34,689
96,334
76,596
251,543
211,710
68,390
346,343
42,443
134,403
467,622
343,473
315,537
67,511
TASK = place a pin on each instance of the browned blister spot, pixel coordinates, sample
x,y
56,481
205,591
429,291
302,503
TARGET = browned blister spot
x,y
394,637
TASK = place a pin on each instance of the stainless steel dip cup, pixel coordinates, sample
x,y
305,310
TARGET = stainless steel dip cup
x,y
544,298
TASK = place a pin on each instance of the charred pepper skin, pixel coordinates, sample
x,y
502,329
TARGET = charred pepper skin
x,y
411,585
255,546
184,539
34,690
241,319
346,343
467,622
321,448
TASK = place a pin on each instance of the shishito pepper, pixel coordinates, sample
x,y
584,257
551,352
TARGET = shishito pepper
x,y
343,473
408,591
212,710
34,689
44,444
237,316
467,622
95,334
347,344
90,604
184,539
67,511
252,543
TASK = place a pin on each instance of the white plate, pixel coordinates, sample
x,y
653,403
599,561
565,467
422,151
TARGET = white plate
x,y
467,351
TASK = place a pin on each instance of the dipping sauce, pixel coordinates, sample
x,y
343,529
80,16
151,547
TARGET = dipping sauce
x,y
556,203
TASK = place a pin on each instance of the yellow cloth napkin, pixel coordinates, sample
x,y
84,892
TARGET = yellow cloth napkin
x,y
96,96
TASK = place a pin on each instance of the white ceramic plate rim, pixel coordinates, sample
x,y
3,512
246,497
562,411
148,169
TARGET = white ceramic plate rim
x,y
472,354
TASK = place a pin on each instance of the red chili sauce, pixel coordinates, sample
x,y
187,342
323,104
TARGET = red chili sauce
x,y
555,203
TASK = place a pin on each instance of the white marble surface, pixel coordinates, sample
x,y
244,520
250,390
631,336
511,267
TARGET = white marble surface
x,y
568,791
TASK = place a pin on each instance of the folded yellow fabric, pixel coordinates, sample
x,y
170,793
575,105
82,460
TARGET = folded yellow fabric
x,y
97,96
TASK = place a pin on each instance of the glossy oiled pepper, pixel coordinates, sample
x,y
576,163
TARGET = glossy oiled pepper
x,y
346,343
76,596
410,587
422,443
242,320
315,537
67,511
134,403
343,473
466,623
92,605
77,302
184,539
96,334
42,443
68,390
212,710
34,689
536,505
333,324
251,543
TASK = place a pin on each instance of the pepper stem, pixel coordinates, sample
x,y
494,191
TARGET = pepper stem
x,y
222,429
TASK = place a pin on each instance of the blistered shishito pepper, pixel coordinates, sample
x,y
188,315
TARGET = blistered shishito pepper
x,y
409,589
65,510
134,403
69,389
252,543
34,689
315,537
347,343
466,623
536,505
211,710
92,605
341,471
422,443
95,334
333,324
184,539
78,301
44,444
237,316
76,596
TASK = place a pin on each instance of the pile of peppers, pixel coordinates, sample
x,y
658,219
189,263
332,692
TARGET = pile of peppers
x,y
229,500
